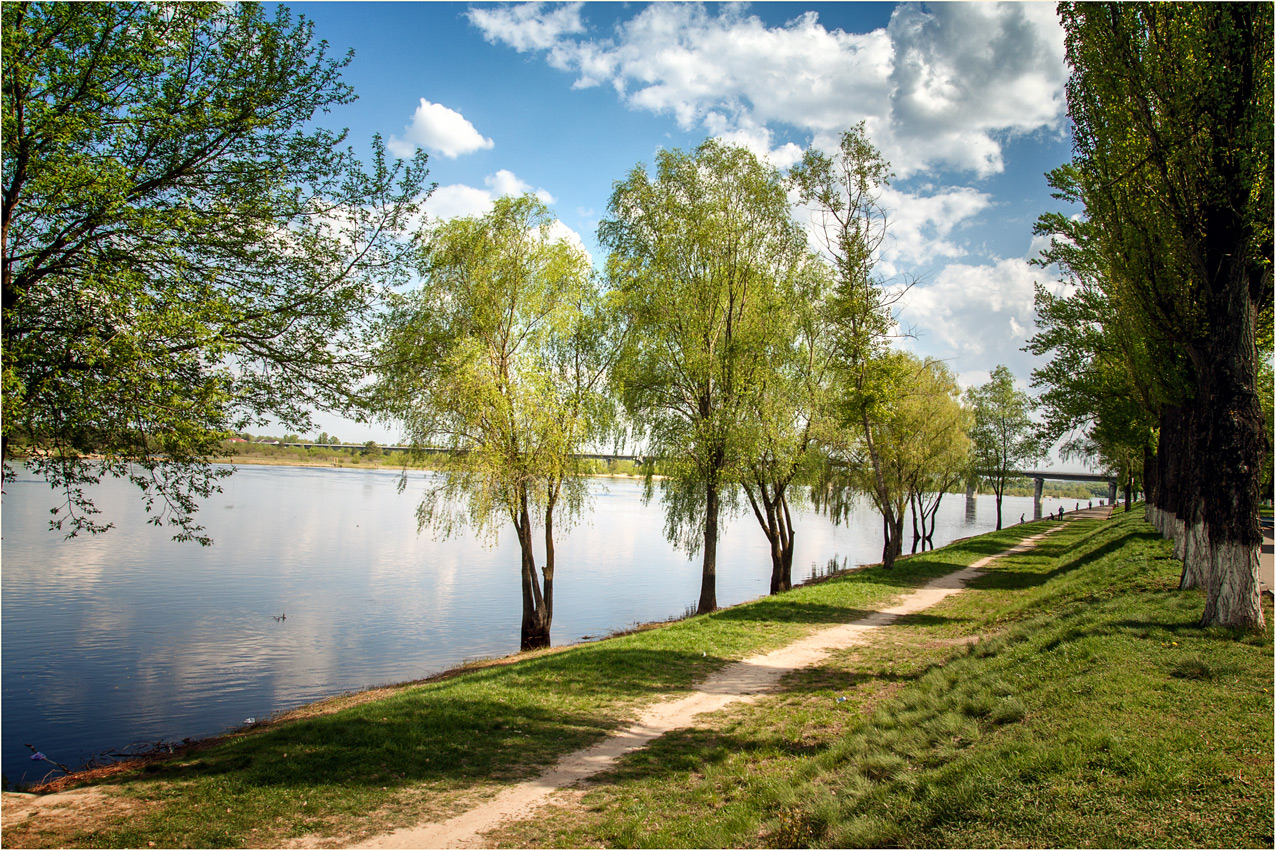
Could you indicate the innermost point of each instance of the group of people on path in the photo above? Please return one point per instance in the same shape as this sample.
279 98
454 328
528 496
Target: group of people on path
1059 516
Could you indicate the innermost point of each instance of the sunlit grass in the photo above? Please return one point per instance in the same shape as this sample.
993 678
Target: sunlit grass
1096 714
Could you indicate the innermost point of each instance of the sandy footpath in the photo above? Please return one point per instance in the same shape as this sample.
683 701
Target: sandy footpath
737 682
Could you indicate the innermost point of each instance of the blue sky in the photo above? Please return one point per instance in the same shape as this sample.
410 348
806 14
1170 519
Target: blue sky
966 101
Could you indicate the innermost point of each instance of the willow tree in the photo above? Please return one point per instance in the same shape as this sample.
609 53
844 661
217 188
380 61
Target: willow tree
937 447
185 251
792 410
498 358
1171 109
919 449
701 259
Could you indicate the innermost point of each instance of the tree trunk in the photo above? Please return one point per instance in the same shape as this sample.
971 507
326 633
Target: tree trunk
999 497
781 573
917 536
776 524
934 515
1150 481
535 624
708 581
1236 437
893 538
549 561
1232 256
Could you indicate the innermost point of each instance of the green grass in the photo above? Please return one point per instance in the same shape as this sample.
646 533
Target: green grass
1094 712
429 750
1067 698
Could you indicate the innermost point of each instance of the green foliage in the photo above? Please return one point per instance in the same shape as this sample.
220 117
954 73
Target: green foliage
704 259
865 434
478 361
1170 106
184 251
1003 434
499 358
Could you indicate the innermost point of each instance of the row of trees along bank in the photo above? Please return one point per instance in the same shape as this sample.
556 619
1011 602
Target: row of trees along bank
185 254
1163 347
756 367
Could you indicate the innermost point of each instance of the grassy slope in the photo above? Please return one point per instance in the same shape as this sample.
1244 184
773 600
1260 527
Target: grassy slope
1096 714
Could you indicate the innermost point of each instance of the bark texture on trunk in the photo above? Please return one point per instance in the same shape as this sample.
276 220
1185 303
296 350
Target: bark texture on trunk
535 618
708 580
1236 438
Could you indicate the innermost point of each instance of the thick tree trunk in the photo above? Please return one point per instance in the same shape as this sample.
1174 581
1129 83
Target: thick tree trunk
708 581
893 539
1232 250
1236 437
535 623
781 570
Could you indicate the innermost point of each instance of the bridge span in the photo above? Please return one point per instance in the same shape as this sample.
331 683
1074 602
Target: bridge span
1040 476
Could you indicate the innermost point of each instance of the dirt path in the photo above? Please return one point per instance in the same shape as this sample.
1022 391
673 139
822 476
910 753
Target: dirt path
737 682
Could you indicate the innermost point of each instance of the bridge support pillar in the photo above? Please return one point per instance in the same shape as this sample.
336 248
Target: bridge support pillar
971 503
1040 491
1111 492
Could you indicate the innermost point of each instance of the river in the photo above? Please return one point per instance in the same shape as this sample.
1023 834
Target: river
319 583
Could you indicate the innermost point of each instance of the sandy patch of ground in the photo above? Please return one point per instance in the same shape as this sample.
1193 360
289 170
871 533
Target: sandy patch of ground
64 813
740 681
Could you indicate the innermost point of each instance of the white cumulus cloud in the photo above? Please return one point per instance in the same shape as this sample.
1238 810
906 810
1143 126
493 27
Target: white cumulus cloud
978 316
528 26
942 86
458 200
437 128
921 225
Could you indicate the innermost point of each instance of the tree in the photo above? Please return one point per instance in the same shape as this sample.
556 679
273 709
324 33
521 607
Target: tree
842 194
701 258
498 358
937 444
1003 434
184 252
1173 140
792 407
918 449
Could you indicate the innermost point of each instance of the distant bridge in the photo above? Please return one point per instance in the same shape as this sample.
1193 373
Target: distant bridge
1040 476
429 450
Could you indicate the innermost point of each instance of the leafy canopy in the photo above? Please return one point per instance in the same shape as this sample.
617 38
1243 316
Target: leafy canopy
184 251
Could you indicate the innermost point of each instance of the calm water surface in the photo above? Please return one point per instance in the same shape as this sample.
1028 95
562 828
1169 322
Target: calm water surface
129 637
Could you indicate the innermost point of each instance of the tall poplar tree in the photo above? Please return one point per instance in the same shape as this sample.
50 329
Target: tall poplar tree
1171 106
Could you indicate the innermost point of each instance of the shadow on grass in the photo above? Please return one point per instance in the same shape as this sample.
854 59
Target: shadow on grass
1012 576
499 723
509 722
